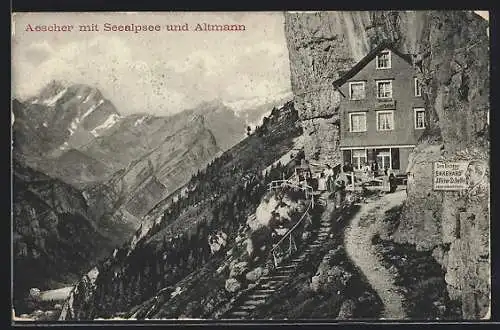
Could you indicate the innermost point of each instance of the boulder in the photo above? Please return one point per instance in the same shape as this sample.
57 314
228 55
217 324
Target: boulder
217 241
250 247
315 283
35 292
347 310
238 269
38 312
232 285
330 278
255 274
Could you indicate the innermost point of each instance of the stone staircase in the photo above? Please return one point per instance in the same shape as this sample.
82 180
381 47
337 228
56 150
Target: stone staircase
246 304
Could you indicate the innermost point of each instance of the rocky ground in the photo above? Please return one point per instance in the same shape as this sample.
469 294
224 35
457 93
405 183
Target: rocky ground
410 283
418 274
358 243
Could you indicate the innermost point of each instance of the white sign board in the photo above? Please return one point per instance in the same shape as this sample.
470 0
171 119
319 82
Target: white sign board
450 175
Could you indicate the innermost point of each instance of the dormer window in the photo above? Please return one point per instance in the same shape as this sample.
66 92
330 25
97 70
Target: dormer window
357 90
384 60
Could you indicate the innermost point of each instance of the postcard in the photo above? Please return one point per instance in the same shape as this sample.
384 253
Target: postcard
293 166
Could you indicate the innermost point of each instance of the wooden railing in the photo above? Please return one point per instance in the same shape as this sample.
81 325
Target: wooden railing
292 247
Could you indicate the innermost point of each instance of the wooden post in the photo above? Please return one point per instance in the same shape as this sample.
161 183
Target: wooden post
352 180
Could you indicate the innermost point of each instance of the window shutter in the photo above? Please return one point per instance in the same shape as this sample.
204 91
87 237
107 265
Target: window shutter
346 156
395 158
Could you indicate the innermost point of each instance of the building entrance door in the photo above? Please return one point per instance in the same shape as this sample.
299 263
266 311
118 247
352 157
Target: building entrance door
383 158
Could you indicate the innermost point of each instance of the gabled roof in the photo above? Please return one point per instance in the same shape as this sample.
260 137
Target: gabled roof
367 59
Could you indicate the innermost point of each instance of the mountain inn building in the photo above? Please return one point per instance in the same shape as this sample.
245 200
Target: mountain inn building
381 111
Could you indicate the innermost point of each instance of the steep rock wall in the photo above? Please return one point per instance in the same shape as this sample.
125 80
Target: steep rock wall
451 56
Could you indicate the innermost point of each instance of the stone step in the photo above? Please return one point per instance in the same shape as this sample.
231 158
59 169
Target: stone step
272 286
258 295
274 277
255 301
247 307
239 313
270 283
264 291
285 267
285 271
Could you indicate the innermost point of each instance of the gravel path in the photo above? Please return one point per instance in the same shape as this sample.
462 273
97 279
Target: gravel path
358 244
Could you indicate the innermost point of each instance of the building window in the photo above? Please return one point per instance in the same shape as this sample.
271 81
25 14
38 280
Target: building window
384 89
383 158
357 90
359 159
418 88
357 122
384 60
385 120
419 118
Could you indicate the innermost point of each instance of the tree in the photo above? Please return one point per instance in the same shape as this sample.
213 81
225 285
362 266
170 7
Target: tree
249 130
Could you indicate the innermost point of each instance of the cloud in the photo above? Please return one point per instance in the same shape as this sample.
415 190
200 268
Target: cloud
144 73
38 52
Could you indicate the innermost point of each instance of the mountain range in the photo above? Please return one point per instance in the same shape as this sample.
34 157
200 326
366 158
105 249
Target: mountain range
118 167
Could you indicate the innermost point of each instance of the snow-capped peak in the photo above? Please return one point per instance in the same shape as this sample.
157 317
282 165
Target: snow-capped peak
256 101
52 101
140 120
108 123
92 108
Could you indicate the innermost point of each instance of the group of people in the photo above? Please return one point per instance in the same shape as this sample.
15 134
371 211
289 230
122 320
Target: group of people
334 182
371 169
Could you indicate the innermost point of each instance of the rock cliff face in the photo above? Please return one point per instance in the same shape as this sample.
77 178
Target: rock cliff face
451 54
54 237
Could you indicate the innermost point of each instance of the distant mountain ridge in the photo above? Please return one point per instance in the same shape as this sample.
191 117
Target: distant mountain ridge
62 118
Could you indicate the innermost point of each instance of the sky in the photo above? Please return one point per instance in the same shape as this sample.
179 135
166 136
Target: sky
158 72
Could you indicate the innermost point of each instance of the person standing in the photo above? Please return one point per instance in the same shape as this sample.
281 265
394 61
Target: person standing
375 168
322 182
367 170
340 186
392 183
